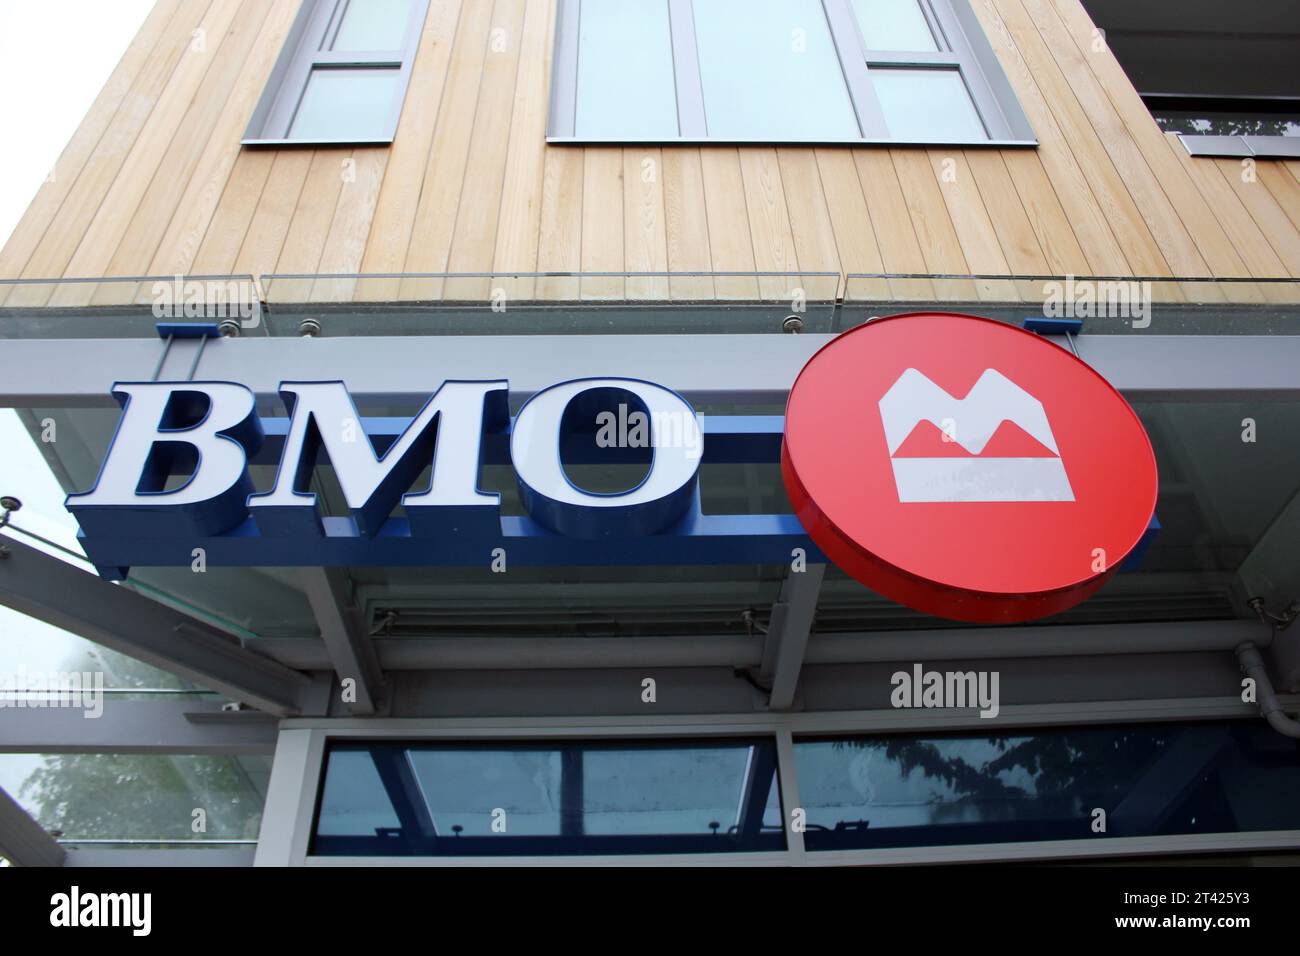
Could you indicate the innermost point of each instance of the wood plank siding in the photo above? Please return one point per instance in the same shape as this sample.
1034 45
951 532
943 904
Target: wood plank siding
155 182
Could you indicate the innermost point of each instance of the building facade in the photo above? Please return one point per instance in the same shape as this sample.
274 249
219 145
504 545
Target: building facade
698 194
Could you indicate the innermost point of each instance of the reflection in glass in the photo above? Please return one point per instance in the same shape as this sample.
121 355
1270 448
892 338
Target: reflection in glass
1209 123
373 25
770 72
549 798
624 792
894 25
1152 780
927 105
626 88
526 783
350 789
346 105
139 797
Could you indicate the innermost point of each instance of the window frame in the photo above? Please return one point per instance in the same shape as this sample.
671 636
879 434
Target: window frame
953 23
1229 145
297 777
410 802
1241 147
305 51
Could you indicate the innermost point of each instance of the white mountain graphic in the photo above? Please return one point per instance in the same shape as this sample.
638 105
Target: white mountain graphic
971 422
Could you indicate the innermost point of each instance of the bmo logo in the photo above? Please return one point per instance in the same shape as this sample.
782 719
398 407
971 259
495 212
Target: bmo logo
1005 450
966 468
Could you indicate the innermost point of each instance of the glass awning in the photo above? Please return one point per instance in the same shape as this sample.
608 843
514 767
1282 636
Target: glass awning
1224 508
667 303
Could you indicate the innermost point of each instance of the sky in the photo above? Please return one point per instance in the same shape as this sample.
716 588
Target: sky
45 98
39 40
55 56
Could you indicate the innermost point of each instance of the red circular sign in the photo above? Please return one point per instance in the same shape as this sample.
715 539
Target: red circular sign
966 468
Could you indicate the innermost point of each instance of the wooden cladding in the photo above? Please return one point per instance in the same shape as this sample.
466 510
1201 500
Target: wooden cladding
155 181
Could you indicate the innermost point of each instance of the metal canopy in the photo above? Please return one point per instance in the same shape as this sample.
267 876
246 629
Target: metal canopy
54 591
22 840
738 369
177 726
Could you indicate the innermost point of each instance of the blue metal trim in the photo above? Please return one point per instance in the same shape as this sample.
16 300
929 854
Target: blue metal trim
697 539
728 439
1134 560
188 330
1053 326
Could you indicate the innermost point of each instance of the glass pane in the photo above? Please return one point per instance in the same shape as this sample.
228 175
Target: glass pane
373 25
346 105
894 25
538 799
145 798
927 106
1209 123
624 793
354 802
626 88
1152 780
770 72
464 788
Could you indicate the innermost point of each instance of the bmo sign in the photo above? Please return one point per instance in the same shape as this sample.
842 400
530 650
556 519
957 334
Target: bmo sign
960 466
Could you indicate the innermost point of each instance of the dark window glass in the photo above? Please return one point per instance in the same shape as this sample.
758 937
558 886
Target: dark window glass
1227 123
565 798
1209 68
1151 780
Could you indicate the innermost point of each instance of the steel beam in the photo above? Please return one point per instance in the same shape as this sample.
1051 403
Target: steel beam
1270 570
48 589
490 653
739 650
737 369
175 726
788 632
121 857
23 841
343 633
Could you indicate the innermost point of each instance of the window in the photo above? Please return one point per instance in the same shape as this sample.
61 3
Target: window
1221 75
1036 785
779 71
342 75
562 798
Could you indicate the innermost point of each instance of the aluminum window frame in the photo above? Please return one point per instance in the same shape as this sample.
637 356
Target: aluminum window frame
306 49
1241 147
963 47
297 778
1228 145
586 743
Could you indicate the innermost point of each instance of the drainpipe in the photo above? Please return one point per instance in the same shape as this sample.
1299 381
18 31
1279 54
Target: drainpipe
1252 665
